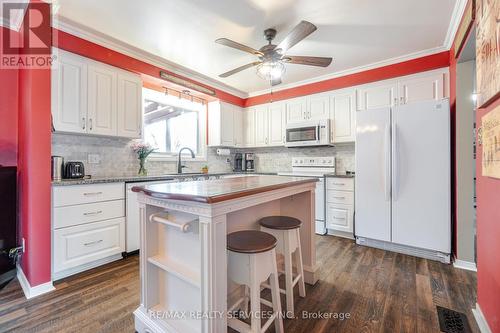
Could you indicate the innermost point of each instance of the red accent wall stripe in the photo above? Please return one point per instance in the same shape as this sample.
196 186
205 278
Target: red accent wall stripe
100 53
438 60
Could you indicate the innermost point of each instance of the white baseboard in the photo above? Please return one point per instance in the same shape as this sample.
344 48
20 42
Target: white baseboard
462 264
480 320
30 291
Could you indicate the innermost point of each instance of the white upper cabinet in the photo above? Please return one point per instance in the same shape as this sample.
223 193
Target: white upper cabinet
343 115
261 126
221 124
238 127
69 93
296 110
318 107
377 95
102 90
249 128
93 98
277 118
422 88
129 118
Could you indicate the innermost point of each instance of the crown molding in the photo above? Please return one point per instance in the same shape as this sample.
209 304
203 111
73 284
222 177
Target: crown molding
354 70
114 44
15 22
456 18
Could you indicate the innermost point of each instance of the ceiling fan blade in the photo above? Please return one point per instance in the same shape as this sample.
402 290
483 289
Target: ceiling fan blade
275 82
238 46
310 61
239 69
301 31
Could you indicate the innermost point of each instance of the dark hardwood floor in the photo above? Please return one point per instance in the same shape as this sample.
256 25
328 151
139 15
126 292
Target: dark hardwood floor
382 291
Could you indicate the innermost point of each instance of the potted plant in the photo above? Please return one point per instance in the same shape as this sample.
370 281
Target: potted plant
142 149
204 169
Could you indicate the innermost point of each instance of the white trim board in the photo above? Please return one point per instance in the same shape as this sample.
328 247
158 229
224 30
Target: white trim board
467 265
456 18
30 291
481 320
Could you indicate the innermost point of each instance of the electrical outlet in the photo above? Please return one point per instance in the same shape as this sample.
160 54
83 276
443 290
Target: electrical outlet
94 158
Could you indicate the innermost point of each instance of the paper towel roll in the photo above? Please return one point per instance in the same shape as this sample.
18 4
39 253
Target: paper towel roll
223 152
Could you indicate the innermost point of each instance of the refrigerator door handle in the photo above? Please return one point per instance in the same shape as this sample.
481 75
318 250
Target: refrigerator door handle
395 164
387 161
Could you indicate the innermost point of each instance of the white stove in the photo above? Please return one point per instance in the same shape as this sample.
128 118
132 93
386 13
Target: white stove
316 167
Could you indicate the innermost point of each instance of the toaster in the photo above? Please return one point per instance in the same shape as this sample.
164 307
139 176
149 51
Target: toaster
74 170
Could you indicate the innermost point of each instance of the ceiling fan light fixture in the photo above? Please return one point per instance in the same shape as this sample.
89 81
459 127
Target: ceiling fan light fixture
271 70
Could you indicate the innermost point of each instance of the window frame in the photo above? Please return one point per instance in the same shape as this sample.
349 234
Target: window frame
202 132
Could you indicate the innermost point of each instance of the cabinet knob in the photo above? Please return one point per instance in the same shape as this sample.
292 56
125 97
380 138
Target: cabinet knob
90 124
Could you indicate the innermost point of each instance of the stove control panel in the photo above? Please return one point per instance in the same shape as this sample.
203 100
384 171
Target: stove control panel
321 162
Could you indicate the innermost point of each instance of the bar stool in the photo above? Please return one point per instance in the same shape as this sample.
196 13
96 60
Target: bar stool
286 230
252 260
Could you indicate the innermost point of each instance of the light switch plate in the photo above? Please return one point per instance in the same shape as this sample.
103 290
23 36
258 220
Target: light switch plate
94 158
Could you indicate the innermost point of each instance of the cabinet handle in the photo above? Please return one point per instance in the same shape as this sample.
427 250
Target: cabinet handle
339 218
341 184
93 243
83 123
92 193
90 124
401 100
93 213
343 198
395 101
266 141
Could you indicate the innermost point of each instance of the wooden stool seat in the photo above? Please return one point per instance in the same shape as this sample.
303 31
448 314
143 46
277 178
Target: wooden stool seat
280 222
250 241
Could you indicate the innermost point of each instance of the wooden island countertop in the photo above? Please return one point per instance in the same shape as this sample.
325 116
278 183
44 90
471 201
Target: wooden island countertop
213 191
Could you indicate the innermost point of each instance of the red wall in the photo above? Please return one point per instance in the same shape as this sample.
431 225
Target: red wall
94 51
422 64
8 114
488 239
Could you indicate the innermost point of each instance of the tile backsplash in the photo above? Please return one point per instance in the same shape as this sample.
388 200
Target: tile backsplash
118 159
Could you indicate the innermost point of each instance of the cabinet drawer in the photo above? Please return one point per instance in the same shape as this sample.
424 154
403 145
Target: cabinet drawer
82 194
339 217
68 216
340 197
340 184
79 245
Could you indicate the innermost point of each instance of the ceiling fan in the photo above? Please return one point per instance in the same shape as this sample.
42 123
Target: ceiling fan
272 58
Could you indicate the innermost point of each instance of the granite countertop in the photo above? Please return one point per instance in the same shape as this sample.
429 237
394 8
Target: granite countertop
132 179
336 175
221 189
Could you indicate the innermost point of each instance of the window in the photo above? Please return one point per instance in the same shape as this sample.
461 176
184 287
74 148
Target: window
172 123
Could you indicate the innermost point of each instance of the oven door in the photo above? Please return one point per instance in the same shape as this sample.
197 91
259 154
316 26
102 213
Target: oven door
303 135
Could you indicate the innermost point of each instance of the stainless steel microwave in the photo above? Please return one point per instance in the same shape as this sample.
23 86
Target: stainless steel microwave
309 133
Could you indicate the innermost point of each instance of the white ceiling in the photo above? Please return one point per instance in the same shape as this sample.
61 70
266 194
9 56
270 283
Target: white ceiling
354 32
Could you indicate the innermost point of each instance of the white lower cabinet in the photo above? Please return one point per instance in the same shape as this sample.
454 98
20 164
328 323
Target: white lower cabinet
80 245
340 206
88 227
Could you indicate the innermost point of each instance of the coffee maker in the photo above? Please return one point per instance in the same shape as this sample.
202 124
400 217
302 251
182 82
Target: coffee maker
238 162
249 162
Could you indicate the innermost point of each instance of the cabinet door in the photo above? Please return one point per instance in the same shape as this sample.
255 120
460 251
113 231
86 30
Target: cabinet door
276 124
421 88
339 217
376 96
129 105
318 107
69 93
249 128
102 100
343 114
227 124
238 127
261 126
296 110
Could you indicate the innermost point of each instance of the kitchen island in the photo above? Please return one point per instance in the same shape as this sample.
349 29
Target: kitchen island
184 285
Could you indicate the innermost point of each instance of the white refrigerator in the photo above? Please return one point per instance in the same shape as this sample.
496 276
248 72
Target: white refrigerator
402 190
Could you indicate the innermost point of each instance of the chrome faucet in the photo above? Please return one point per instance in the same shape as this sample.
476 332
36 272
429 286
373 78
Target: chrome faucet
179 162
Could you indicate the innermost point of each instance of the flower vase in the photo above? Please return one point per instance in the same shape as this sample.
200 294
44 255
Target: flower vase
142 168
